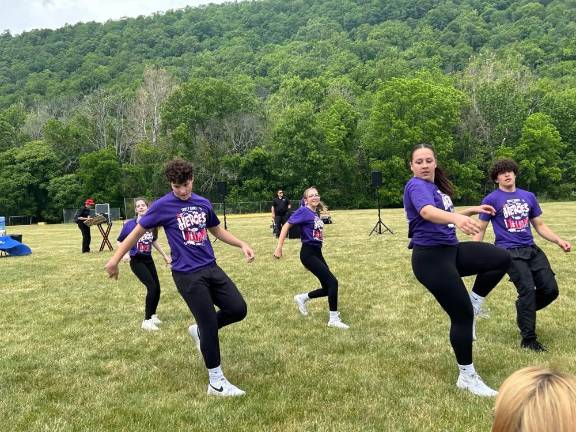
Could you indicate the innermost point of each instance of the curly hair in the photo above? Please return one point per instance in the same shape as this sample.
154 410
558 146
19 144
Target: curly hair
502 166
179 171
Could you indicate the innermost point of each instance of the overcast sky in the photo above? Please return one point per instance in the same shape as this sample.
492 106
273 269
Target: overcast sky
22 15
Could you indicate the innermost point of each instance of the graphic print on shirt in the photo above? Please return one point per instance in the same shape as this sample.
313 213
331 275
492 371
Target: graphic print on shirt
317 232
447 203
516 212
144 243
192 225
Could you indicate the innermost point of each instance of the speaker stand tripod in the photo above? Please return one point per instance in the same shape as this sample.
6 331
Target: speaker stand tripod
380 226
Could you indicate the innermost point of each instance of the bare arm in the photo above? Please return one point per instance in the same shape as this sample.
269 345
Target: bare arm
545 232
464 223
480 235
281 238
166 257
272 210
228 238
111 266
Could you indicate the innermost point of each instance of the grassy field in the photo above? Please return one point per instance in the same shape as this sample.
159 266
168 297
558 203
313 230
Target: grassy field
73 356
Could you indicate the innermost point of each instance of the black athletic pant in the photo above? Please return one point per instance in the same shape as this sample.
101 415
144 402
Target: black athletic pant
534 279
145 270
440 270
279 221
312 258
85 236
202 290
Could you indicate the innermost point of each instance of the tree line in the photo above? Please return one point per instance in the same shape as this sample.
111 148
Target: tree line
273 94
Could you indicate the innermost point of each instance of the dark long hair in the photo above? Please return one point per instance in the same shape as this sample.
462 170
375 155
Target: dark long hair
440 178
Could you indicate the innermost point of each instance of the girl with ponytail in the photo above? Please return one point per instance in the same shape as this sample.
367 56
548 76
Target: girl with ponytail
439 261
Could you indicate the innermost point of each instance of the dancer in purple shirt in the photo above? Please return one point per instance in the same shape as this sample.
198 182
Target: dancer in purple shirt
439 261
187 218
516 210
142 264
312 237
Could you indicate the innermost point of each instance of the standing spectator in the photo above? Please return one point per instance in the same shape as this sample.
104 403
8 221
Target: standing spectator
280 207
82 215
516 210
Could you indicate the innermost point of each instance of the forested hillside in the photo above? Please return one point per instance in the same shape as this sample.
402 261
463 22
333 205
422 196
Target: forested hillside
276 93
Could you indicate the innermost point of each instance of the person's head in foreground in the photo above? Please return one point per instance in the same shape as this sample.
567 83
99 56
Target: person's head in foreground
536 399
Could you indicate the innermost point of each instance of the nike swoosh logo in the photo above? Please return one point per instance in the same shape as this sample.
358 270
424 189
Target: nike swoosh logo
219 390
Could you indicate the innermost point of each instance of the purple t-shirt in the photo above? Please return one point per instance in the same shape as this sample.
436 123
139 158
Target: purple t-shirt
514 210
186 226
419 193
144 244
311 226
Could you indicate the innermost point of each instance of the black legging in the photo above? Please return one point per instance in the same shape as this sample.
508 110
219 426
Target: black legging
145 270
440 270
86 238
312 258
202 290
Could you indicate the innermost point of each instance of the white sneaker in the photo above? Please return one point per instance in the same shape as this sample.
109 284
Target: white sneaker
475 385
301 300
155 319
149 325
480 311
195 334
338 324
224 388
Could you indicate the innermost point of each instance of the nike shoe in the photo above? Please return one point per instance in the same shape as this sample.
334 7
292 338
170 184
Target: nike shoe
337 322
480 310
474 384
301 300
223 388
155 319
149 325
195 334
533 344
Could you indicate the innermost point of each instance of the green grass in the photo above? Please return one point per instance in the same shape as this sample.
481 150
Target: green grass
73 356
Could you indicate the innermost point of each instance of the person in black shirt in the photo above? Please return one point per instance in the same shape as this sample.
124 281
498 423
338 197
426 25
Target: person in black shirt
82 215
280 207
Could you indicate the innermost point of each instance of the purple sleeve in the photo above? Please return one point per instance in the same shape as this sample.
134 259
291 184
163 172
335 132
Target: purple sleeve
484 216
420 196
212 219
535 209
296 217
152 217
126 229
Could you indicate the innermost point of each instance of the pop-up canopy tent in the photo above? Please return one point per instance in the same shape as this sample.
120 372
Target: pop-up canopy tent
13 247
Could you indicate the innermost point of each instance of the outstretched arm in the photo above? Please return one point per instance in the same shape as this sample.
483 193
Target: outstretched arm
545 232
281 238
228 238
464 223
111 266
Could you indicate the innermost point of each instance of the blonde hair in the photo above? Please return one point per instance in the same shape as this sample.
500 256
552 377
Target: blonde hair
536 399
321 206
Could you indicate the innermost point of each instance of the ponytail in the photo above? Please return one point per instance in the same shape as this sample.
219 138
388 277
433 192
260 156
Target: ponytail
443 182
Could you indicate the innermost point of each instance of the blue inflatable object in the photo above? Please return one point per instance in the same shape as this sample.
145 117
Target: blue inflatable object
13 247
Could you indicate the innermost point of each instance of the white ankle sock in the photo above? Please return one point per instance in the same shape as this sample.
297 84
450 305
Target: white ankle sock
334 316
215 374
467 369
304 296
476 299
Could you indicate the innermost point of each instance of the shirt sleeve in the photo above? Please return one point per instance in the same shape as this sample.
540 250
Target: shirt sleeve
485 216
152 217
420 196
211 217
535 209
126 229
